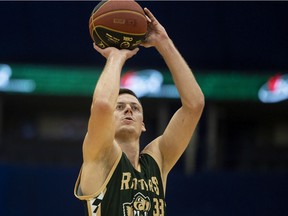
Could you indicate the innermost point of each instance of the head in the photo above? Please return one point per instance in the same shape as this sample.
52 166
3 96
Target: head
128 91
129 113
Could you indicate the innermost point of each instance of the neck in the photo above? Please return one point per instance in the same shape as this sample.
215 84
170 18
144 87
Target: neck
131 149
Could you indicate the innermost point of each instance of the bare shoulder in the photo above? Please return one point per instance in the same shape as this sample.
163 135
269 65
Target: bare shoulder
153 150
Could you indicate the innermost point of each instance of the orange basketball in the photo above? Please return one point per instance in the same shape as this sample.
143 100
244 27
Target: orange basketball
118 23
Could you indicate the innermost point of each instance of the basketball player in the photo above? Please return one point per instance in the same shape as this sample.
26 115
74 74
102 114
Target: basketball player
116 178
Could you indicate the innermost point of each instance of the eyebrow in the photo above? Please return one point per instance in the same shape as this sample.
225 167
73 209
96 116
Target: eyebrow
133 103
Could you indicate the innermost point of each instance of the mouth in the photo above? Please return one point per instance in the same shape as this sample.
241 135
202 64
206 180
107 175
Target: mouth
128 118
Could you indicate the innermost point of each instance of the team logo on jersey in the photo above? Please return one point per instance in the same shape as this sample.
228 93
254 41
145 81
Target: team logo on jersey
139 206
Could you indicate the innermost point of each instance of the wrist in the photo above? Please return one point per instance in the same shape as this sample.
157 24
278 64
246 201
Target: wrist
116 59
165 46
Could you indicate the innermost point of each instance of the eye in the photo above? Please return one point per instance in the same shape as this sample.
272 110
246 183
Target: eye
119 107
135 108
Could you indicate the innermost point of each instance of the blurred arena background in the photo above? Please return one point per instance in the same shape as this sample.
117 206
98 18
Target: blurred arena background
237 163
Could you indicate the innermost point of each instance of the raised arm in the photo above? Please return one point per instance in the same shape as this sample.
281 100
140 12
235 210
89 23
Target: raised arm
170 146
100 134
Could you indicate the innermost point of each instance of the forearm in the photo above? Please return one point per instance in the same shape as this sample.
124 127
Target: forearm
108 85
107 88
186 84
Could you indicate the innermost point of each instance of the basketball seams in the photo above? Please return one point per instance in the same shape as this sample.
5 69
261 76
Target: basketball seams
103 40
100 38
121 11
122 32
119 24
92 19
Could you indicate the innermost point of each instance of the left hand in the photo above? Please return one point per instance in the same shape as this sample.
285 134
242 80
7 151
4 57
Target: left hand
156 33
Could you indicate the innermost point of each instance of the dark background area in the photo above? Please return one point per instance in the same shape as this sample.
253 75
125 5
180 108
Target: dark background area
244 172
211 35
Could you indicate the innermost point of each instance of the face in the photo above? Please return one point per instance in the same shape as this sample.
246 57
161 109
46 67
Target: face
129 115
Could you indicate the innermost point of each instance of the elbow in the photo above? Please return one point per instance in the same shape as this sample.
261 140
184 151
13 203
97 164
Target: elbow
101 105
202 103
197 104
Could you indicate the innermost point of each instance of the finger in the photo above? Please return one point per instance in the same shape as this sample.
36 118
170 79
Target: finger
135 51
148 19
145 44
96 47
150 15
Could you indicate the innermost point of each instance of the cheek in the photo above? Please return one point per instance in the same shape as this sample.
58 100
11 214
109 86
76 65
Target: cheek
140 117
116 116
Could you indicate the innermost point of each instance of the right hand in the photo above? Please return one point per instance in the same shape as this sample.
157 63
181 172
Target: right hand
110 51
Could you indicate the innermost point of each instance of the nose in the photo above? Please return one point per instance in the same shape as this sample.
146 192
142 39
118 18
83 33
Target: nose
128 108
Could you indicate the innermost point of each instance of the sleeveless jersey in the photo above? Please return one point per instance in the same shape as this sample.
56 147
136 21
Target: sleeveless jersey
127 192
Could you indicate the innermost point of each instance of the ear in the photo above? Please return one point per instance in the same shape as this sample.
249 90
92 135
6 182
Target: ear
143 127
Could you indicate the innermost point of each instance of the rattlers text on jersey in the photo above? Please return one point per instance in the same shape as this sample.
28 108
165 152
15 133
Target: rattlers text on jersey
128 192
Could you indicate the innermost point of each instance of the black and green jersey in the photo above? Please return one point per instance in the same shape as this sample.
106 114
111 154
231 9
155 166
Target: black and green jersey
127 192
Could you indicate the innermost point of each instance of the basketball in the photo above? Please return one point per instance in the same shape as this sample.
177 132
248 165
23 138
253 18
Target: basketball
118 23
